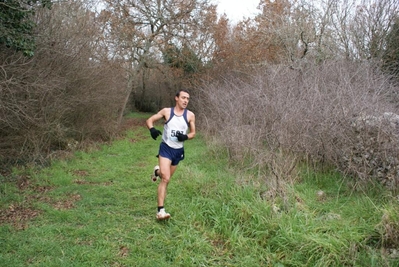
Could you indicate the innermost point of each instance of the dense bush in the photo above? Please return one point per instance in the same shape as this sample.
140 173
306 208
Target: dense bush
305 111
61 95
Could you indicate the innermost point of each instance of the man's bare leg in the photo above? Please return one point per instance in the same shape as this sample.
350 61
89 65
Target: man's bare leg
166 170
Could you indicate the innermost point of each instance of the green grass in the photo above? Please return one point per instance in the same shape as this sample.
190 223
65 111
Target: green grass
98 209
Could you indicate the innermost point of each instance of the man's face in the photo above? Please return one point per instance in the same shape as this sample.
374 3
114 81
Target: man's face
182 99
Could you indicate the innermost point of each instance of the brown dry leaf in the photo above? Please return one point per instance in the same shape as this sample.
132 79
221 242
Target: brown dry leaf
123 251
67 204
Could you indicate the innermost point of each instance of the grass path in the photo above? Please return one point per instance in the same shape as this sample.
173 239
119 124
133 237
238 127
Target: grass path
98 209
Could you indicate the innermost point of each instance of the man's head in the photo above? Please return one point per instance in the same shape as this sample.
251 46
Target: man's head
182 98
181 90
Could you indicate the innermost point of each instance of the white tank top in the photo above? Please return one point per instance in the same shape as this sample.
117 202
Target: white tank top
172 126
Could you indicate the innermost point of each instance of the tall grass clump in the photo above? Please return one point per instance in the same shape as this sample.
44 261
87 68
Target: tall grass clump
338 113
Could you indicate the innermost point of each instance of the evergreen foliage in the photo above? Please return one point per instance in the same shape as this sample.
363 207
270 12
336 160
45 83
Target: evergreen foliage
16 24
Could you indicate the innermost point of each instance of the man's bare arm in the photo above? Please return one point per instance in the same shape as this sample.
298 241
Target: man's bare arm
156 117
191 122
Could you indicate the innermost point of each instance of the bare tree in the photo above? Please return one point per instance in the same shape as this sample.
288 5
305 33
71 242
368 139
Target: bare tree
141 31
329 29
371 24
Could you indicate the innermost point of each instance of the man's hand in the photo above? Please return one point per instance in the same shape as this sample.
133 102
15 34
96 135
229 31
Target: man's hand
155 133
181 137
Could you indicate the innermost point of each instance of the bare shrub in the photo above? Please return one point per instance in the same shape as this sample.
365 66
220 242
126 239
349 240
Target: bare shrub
306 110
65 93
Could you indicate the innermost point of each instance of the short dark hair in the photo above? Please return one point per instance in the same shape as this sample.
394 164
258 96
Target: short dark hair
181 90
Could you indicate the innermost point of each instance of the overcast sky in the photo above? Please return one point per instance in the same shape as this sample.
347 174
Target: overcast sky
237 9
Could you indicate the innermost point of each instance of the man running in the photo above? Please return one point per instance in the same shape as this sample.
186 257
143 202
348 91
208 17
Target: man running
178 120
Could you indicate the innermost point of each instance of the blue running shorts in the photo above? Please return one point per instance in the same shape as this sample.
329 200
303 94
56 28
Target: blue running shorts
175 155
